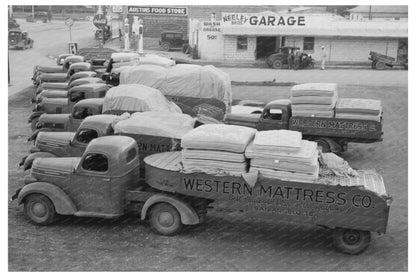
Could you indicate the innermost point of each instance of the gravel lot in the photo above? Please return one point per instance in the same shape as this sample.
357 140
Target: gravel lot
227 241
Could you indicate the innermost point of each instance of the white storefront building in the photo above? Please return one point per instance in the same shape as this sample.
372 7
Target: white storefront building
247 37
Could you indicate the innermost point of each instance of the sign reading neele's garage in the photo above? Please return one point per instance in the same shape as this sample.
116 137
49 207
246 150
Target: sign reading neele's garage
269 20
142 10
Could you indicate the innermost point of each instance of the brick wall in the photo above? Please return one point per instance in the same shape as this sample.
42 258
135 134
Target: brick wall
231 53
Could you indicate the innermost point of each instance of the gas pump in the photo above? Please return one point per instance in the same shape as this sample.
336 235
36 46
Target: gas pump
141 37
126 34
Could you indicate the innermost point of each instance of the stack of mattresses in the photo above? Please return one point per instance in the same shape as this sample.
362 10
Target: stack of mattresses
282 154
353 108
216 149
314 99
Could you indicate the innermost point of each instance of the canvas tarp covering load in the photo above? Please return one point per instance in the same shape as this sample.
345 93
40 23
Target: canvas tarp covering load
185 80
355 108
284 155
314 99
137 98
173 125
216 149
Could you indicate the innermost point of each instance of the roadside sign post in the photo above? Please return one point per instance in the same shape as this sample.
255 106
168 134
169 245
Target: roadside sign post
72 46
100 21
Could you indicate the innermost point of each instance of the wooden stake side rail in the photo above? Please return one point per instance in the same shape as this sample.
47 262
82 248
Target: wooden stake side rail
351 206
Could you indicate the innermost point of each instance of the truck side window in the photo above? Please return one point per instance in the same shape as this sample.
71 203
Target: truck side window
87 135
81 113
95 162
77 96
273 114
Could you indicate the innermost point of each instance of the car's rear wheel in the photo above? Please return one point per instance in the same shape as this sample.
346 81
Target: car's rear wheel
40 209
277 64
380 65
165 219
165 46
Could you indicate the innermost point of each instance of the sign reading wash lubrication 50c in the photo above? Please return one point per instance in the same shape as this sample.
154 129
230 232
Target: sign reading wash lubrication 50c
140 10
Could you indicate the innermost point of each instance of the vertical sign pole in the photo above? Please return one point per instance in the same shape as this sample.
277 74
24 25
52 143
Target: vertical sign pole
70 34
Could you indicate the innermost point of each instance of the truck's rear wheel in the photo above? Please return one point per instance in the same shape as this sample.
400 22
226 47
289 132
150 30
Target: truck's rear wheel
165 219
39 209
380 65
277 64
351 241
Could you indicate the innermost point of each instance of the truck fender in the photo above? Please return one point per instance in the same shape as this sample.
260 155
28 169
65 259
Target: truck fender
34 115
28 161
333 146
63 204
187 213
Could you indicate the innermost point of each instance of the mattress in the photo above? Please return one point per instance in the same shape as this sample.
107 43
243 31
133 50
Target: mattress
219 137
321 100
360 106
313 113
285 175
214 167
313 107
306 155
237 109
371 117
285 166
277 140
314 89
213 155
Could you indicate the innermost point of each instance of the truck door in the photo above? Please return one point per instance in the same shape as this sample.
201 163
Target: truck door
273 119
91 184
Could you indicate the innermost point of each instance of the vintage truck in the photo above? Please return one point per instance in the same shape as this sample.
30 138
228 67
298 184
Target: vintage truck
62 93
68 122
331 134
105 182
73 144
65 105
60 68
61 77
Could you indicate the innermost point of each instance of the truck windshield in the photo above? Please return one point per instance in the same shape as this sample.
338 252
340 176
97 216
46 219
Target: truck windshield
95 162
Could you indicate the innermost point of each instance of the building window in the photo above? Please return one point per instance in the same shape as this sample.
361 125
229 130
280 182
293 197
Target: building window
241 43
308 43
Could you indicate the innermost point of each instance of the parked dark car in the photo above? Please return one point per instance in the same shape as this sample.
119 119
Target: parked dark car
13 24
172 41
19 40
279 59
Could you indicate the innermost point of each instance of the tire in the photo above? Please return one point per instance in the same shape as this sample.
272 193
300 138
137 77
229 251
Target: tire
33 123
311 65
277 64
165 219
165 46
373 64
351 241
323 146
380 65
39 209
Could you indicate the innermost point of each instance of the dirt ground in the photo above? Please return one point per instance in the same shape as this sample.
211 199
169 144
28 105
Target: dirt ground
227 241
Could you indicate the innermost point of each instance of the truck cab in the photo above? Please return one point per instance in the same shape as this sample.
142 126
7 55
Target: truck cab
69 122
274 116
92 185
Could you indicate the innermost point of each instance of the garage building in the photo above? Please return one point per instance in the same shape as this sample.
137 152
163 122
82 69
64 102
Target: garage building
249 37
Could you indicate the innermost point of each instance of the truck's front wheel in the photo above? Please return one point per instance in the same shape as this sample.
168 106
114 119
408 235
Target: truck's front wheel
351 241
165 219
40 209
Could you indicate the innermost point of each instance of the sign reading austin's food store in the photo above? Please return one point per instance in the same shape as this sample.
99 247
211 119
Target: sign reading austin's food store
140 10
263 19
